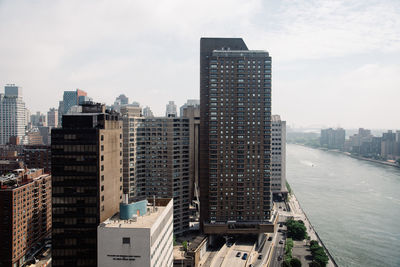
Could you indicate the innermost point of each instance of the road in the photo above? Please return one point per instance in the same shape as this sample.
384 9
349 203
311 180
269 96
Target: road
278 249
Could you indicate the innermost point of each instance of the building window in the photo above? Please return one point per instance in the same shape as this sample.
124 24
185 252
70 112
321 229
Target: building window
102 138
126 240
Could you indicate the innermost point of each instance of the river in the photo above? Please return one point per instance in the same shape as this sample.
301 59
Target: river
354 205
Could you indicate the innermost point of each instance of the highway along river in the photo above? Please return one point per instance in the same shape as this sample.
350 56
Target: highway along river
354 205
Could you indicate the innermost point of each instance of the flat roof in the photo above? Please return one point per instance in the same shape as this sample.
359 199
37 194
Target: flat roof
145 221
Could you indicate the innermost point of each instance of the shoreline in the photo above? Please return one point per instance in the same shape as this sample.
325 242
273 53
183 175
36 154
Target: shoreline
298 213
352 156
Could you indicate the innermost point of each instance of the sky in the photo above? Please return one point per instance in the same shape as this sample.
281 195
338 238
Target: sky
335 63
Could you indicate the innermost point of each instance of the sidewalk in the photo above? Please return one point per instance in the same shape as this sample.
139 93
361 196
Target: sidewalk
298 214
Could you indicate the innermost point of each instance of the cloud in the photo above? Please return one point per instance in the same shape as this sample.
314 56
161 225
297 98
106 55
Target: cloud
141 47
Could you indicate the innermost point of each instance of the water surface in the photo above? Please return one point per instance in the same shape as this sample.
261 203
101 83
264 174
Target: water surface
353 204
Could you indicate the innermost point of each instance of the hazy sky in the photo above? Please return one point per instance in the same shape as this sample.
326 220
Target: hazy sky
335 63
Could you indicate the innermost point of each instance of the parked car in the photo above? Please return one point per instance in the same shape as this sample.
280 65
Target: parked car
238 254
270 238
279 257
244 257
259 257
281 241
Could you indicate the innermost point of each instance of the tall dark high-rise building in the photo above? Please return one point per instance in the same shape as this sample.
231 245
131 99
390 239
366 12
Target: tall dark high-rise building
87 182
235 138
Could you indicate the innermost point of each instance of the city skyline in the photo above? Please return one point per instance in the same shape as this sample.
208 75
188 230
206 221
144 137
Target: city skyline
338 58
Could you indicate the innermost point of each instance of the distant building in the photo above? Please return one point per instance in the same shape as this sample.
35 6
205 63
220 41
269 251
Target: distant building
38 119
38 157
191 103
333 139
147 112
360 142
388 145
278 159
12 114
34 137
170 110
25 201
140 235
87 182
72 98
120 101
52 118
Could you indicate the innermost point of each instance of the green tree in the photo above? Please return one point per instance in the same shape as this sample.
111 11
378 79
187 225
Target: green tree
295 262
185 245
286 263
314 264
296 229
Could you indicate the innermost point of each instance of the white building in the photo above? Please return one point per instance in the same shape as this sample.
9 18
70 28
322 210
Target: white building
170 109
144 240
12 113
278 159
52 117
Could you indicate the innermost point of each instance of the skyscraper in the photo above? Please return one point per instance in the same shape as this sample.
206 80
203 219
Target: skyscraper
235 137
12 113
87 182
157 162
52 118
72 98
170 109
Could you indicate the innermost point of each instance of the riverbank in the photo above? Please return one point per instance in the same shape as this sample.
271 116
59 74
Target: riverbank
353 156
299 214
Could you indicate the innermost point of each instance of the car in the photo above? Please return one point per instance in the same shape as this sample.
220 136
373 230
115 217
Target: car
259 257
238 254
244 257
281 241
281 224
279 257
270 238
251 265
284 209
279 230
229 244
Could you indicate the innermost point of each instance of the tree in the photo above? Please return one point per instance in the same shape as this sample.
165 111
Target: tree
185 245
296 229
314 264
295 262
318 253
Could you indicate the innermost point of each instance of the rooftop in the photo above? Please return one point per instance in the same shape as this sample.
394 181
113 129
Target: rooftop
145 221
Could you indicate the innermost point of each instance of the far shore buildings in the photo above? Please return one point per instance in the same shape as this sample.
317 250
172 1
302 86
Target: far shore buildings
333 138
25 201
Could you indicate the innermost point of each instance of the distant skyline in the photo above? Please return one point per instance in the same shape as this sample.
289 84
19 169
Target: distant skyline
335 63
